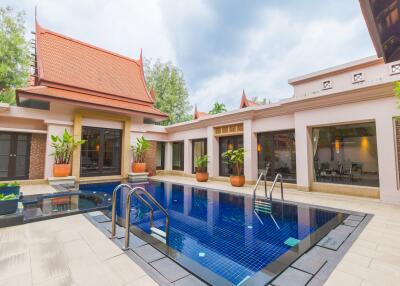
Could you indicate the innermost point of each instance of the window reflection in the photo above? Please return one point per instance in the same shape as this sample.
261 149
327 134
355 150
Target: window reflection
279 150
346 154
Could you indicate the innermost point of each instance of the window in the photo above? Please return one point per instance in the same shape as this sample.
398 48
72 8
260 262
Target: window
327 84
35 104
225 144
199 148
278 149
346 154
160 156
177 156
358 77
395 69
101 153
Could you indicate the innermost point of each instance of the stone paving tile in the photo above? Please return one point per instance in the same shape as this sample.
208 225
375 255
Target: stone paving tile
333 240
355 217
310 262
17 280
169 269
148 253
189 281
122 266
292 277
119 231
143 281
134 242
339 278
352 223
101 218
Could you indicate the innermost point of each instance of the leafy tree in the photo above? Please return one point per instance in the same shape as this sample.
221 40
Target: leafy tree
170 88
218 108
260 101
14 54
397 92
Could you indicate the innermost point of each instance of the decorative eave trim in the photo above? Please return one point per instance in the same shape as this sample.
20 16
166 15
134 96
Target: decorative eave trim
290 106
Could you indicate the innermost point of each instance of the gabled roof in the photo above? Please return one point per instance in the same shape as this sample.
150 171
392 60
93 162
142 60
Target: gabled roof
198 114
84 73
245 102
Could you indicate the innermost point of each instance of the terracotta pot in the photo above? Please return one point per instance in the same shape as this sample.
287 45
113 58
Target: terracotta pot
202 176
237 181
139 167
61 170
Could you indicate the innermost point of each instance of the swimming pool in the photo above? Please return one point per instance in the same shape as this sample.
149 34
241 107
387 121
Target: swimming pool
217 236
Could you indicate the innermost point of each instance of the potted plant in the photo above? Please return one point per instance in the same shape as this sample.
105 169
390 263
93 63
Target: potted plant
10 188
8 203
236 159
201 168
63 147
139 150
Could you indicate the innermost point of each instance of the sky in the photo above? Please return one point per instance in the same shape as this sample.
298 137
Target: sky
222 47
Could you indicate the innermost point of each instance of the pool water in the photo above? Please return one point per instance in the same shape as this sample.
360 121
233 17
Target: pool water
220 235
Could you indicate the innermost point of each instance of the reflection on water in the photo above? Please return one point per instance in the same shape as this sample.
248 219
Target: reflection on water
219 230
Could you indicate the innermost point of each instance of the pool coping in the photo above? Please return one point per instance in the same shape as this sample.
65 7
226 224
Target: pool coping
263 276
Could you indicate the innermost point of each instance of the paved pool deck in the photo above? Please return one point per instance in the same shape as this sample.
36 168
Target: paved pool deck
71 251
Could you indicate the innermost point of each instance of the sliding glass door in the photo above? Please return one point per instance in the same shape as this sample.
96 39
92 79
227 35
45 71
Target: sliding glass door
225 144
177 156
278 149
199 148
160 156
14 155
101 153
346 154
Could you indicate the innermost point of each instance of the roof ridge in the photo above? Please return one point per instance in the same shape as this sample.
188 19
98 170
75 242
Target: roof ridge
45 30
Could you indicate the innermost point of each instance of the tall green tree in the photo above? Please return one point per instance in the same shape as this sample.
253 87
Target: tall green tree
260 101
170 88
14 54
218 108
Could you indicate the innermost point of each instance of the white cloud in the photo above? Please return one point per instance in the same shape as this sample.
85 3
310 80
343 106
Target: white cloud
279 48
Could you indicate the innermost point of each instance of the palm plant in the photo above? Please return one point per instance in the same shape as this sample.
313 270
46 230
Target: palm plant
139 150
63 147
236 159
201 163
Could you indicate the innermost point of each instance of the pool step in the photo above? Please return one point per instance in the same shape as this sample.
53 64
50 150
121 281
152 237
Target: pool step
262 206
158 234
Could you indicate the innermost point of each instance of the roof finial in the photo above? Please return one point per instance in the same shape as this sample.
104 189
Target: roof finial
141 56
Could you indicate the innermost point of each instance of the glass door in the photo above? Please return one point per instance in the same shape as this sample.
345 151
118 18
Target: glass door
101 153
225 144
199 148
14 156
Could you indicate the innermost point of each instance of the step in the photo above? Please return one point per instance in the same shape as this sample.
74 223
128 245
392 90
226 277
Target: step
158 231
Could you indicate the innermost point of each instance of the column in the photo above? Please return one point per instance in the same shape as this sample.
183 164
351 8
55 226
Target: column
168 156
385 137
187 157
213 152
304 165
250 155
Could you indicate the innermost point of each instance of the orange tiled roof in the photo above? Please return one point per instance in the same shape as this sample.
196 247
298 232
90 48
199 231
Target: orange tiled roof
91 100
245 102
71 70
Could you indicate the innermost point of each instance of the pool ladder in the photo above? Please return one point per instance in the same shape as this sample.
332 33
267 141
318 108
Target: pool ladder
155 232
266 206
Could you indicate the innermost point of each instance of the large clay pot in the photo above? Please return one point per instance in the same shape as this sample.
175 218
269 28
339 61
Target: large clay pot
139 167
202 176
61 170
237 181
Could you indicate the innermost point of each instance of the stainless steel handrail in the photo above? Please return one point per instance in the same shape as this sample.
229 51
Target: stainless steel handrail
263 173
114 206
128 212
278 176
